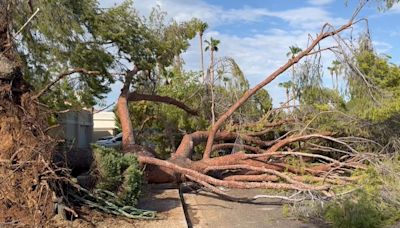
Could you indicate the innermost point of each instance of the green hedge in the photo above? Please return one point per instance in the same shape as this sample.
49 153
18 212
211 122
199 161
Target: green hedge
119 173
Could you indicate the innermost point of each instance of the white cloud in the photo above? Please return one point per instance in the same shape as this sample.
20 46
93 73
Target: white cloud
181 10
320 2
258 53
307 17
381 47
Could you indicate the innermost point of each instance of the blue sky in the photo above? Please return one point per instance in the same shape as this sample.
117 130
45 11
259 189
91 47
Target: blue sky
257 33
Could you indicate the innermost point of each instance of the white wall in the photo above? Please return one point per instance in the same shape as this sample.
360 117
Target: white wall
103 124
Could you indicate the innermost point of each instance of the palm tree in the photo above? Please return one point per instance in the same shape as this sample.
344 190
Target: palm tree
212 46
293 51
201 28
338 70
331 72
335 69
287 85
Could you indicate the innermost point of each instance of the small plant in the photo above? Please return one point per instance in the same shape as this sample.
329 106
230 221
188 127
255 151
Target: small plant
118 173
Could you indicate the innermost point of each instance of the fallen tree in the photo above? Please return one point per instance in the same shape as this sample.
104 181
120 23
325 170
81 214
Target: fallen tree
270 162
303 160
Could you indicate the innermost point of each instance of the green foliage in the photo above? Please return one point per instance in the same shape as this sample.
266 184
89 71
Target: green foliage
293 50
375 203
162 126
384 80
372 201
354 213
323 99
80 34
58 39
200 26
118 173
212 44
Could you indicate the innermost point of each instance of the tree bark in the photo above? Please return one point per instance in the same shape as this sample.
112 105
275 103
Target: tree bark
123 112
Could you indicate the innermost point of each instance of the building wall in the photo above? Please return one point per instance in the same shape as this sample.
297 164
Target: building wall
76 128
103 125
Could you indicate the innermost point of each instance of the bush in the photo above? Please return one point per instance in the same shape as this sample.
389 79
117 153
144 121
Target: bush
354 213
375 204
118 173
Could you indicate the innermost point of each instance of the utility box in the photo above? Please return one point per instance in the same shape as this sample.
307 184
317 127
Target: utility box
76 128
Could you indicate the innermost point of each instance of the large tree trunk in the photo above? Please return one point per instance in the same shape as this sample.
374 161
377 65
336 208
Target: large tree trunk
123 112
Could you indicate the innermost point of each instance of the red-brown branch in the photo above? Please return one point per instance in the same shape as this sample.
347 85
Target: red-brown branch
322 35
189 141
279 144
260 169
229 184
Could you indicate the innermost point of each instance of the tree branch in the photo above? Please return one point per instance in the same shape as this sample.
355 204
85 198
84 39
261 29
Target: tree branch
322 35
61 76
229 184
134 96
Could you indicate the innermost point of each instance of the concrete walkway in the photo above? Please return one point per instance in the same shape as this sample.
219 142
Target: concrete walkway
166 201
199 210
207 210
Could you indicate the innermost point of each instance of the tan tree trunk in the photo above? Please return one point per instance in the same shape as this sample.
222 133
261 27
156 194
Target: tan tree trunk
293 91
212 88
337 82
202 56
